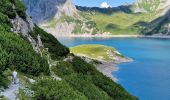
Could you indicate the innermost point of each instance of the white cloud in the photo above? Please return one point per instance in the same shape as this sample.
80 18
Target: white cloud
104 5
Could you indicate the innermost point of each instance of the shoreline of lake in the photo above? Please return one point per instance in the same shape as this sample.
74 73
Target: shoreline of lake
107 68
117 36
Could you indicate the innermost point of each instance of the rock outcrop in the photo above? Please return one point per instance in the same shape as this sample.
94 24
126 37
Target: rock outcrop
24 27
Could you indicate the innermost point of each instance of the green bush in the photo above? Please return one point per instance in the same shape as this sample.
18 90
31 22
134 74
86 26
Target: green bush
17 53
5 24
48 89
20 8
6 7
4 81
111 26
113 89
80 66
84 85
63 68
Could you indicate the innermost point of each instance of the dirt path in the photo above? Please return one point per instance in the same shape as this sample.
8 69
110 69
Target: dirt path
11 92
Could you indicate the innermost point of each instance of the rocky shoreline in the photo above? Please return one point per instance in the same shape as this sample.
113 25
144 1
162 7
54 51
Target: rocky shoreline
107 68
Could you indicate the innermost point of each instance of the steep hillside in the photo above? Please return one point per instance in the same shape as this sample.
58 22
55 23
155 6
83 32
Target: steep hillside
42 62
20 45
160 8
15 51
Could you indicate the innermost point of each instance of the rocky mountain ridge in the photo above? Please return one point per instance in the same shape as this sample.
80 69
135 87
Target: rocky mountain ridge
62 17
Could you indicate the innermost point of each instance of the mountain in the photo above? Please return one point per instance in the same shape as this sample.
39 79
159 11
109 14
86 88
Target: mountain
62 17
59 17
46 69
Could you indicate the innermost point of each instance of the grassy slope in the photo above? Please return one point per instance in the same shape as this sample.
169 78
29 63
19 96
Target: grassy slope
98 52
123 22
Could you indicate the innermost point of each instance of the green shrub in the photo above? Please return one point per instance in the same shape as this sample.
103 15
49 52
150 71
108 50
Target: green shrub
80 66
113 89
6 7
4 81
17 53
20 8
84 85
111 26
48 89
63 68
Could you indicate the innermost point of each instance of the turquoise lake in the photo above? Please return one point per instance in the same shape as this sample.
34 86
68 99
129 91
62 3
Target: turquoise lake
148 77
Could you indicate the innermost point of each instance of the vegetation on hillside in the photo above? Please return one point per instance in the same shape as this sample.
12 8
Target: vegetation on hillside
49 89
15 52
80 80
84 77
55 48
12 7
120 22
149 6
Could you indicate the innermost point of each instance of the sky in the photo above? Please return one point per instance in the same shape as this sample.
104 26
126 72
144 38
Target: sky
103 3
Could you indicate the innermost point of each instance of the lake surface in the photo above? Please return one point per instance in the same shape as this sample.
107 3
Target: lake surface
148 77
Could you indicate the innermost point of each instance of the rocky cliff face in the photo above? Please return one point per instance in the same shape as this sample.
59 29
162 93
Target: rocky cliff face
43 10
25 27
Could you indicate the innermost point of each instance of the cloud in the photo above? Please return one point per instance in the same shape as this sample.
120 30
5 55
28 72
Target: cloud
104 5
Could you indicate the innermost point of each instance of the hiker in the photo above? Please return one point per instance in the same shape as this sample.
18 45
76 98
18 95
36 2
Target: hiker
15 77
